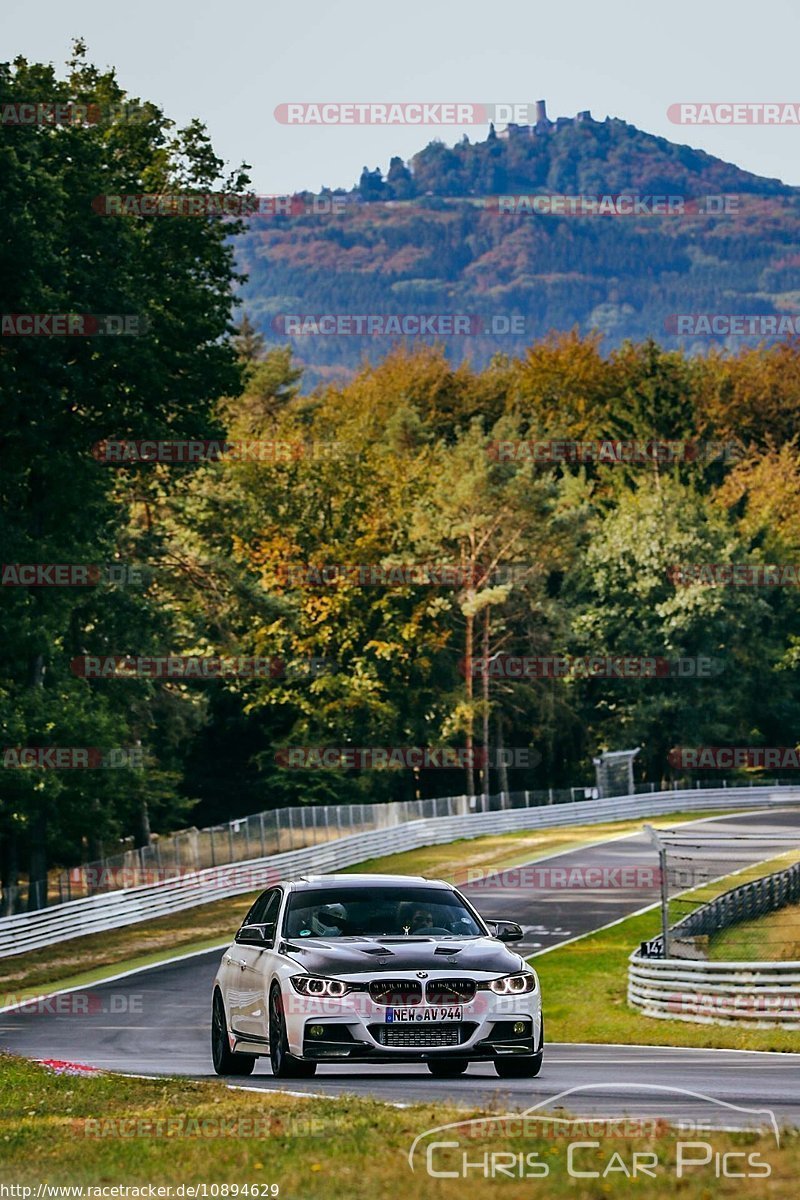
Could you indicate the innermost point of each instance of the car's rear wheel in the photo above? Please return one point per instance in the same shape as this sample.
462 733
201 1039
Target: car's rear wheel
447 1068
284 1064
224 1059
526 1066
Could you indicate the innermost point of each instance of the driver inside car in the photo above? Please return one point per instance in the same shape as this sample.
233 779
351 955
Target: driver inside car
329 921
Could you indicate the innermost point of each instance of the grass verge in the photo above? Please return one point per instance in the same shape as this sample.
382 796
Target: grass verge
104 1131
596 966
773 938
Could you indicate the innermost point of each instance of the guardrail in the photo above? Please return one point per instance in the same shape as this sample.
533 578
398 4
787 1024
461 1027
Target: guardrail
743 903
764 993
126 906
278 830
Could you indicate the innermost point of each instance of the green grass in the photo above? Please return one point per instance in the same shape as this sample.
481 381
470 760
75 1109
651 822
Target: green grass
584 993
64 1130
773 938
596 966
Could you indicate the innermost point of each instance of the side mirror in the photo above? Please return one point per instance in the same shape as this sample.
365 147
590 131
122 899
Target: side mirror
506 931
256 935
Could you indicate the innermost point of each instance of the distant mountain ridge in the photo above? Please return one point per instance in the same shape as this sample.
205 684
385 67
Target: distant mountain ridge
431 236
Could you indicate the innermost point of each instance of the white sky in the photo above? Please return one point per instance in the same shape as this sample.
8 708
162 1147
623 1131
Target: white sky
231 64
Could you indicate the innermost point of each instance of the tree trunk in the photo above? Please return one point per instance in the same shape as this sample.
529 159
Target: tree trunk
501 761
468 646
37 874
142 835
9 874
37 871
485 693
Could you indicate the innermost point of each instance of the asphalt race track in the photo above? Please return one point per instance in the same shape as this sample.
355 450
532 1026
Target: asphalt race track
157 1021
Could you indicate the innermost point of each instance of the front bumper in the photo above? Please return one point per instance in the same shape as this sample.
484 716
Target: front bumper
355 1028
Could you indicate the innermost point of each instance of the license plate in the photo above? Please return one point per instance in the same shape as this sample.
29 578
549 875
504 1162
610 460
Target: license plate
441 1012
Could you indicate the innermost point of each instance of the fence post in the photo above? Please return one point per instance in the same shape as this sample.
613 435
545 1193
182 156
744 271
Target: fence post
261 823
549 795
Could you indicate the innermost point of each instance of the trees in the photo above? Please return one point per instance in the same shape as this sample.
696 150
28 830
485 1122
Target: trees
63 395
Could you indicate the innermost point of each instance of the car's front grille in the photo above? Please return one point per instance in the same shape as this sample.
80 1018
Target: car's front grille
450 991
400 993
417 1036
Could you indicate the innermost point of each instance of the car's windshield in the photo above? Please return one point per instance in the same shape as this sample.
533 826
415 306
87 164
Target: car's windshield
378 911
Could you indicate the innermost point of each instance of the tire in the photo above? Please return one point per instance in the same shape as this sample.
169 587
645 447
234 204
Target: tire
224 1059
527 1066
447 1068
284 1065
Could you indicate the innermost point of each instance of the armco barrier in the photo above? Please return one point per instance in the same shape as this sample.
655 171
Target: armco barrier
762 994
94 914
743 903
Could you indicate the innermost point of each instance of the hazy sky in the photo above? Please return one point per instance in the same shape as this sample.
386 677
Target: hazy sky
231 63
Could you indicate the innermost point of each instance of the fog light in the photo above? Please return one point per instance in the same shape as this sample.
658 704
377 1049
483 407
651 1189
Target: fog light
519 1027
316 1030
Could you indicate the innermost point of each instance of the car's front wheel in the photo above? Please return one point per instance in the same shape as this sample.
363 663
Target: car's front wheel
526 1066
447 1068
224 1059
284 1064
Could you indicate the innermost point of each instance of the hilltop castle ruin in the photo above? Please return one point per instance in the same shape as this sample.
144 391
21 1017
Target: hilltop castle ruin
543 124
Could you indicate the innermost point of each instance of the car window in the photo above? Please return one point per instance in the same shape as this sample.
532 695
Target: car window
265 909
382 911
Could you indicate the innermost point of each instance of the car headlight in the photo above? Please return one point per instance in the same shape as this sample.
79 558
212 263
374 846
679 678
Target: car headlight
317 985
512 985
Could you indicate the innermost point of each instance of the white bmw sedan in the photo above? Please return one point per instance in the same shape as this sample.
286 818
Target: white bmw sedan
377 969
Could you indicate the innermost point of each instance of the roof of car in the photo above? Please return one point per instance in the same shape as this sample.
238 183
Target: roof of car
338 881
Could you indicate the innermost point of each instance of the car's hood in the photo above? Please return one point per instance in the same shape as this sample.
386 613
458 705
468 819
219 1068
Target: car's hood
356 956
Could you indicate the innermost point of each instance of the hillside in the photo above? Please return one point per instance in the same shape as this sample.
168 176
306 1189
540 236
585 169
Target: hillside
435 236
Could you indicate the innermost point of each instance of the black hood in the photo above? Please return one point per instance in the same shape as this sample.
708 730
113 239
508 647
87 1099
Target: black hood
348 956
